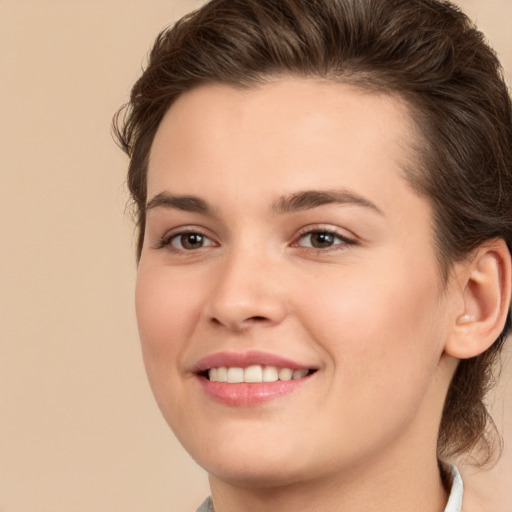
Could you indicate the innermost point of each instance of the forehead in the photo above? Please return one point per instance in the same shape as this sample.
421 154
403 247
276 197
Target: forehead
292 133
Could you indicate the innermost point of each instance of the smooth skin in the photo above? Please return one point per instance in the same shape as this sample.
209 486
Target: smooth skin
349 286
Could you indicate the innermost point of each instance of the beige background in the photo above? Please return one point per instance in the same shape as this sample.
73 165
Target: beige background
78 427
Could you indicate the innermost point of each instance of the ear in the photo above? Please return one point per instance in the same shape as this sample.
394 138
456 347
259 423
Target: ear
485 283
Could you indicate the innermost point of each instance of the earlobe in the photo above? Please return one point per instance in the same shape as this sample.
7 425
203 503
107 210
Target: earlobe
485 282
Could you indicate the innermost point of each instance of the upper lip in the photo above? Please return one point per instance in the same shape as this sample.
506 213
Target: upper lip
245 359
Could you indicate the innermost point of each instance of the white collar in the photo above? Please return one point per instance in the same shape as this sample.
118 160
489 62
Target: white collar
455 500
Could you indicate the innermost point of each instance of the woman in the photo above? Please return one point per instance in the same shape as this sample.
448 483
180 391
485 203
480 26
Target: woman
322 191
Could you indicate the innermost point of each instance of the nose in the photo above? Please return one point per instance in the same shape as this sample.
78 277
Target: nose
247 291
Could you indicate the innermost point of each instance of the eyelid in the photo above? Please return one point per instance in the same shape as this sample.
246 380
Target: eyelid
165 242
323 228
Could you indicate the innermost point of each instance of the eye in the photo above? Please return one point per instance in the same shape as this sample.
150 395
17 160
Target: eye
322 239
188 241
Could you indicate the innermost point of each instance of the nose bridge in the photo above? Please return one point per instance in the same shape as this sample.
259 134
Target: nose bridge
246 289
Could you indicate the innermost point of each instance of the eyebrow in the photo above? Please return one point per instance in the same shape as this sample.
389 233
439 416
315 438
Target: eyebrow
314 198
186 203
297 201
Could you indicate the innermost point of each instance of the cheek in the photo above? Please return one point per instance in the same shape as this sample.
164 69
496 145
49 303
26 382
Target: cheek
384 347
166 314
379 329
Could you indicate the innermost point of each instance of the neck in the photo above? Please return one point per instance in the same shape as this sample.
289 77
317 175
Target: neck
387 486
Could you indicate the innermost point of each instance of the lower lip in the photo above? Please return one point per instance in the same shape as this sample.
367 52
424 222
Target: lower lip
249 394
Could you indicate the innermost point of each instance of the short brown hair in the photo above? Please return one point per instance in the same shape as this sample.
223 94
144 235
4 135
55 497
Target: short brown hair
427 52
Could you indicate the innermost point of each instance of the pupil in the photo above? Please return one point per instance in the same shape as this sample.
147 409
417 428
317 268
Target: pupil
192 241
320 240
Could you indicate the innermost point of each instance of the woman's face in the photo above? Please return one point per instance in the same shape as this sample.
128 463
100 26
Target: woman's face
282 240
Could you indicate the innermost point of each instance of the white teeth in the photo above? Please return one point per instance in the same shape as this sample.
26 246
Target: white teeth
235 375
254 373
285 374
222 374
270 374
298 374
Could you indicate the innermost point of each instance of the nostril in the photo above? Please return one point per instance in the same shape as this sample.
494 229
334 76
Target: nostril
245 323
257 318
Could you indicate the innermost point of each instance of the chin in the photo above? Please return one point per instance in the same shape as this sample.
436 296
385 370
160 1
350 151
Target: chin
249 461
269 469
262 474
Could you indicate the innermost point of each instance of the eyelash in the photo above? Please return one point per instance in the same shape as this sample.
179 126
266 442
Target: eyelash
166 240
342 241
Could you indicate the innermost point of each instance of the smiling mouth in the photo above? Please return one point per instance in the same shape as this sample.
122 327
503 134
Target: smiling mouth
254 374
